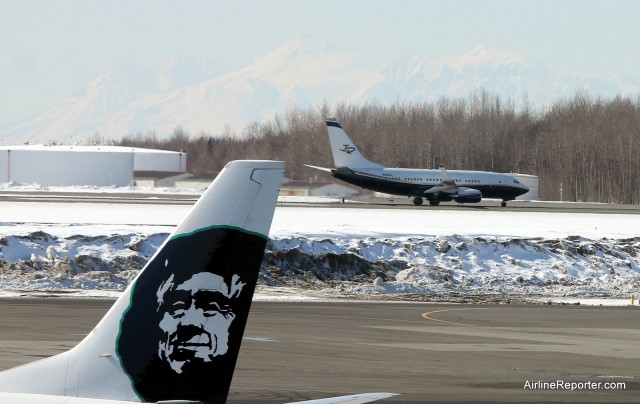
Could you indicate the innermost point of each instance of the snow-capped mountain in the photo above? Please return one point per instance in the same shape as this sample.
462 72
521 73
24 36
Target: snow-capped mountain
508 74
202 97
86 113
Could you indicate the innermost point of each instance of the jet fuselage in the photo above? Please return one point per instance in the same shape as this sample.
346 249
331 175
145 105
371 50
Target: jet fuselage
415 182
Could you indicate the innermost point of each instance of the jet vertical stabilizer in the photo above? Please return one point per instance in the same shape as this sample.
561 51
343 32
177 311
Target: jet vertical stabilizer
345 153
175 333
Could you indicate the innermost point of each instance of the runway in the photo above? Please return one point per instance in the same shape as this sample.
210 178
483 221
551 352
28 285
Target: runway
424 352
355 220
391 202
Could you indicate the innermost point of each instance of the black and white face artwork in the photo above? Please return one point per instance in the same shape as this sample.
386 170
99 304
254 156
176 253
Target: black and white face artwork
196 320
181 334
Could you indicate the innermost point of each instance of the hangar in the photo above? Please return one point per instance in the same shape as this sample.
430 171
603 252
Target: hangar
84 165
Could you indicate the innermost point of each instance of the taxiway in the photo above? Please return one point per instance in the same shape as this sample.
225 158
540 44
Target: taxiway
424 352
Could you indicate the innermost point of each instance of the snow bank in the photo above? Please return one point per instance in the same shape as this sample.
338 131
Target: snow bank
437 266
461 265
363 253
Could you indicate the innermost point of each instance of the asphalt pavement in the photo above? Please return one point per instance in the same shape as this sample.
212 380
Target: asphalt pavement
425 352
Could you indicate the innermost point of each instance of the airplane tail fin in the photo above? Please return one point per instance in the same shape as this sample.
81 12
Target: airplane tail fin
175 333
345 153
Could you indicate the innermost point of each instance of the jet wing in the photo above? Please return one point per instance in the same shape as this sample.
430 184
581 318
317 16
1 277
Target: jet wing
445 175
447 186
447 189
352 399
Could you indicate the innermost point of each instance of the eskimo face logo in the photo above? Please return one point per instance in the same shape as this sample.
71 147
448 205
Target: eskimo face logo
196 320
180 336
347 149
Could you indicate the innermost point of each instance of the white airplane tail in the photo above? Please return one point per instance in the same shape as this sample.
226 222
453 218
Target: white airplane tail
175 333
345 153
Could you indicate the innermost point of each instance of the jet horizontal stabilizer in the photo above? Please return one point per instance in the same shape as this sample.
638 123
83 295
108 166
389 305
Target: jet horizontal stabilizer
319 168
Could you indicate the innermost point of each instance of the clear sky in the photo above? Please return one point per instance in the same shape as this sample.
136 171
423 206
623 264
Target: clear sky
51 49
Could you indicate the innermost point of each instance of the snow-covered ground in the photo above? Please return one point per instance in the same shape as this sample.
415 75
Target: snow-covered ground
320 252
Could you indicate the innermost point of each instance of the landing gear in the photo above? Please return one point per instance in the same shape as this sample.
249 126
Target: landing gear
417 201
503 204
434 202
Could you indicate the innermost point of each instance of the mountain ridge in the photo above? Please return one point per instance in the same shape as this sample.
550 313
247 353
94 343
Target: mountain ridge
202 97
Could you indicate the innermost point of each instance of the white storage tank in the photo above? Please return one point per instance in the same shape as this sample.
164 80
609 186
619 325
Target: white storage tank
65 165
159 160
83 165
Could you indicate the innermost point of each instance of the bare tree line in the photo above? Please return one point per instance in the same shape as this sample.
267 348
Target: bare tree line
589 146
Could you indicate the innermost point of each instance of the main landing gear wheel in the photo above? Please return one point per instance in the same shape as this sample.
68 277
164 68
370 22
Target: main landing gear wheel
434 202
503 204
417 201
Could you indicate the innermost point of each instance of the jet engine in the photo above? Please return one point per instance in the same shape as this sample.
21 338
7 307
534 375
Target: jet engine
468 195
